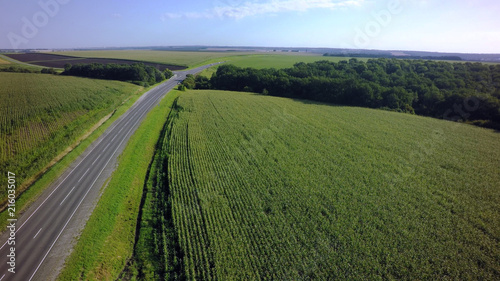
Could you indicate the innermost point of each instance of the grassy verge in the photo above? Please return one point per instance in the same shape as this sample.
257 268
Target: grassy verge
35 190
155 255
108 239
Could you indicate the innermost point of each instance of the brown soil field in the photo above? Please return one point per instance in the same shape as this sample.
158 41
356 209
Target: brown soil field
58 61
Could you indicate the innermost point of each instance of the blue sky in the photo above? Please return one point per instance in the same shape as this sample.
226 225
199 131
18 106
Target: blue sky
423 25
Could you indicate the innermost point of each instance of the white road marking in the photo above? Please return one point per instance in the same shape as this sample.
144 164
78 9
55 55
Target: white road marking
109 130
84 174
67 195
37 233
96 159
106 147
84 196
2 277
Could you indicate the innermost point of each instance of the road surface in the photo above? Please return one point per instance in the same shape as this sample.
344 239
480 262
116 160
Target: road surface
50 219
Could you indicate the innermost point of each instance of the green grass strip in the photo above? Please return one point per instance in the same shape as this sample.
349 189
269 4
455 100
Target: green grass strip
107 242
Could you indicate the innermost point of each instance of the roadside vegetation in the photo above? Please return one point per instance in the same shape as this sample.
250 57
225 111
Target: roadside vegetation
252 187
467 92
41 115
107 242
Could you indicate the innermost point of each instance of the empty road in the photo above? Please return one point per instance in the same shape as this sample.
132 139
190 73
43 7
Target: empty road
50 218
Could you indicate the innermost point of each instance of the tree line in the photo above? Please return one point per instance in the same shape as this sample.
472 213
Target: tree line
137 73
362 55
468 92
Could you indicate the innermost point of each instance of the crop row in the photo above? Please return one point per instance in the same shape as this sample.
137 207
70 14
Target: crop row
256 187
40 115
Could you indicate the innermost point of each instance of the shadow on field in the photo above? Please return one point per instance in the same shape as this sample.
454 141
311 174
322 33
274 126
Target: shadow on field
303 101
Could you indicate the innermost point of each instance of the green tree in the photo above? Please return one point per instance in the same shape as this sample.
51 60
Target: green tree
168 73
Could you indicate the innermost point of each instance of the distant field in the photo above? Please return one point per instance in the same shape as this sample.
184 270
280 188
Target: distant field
280 61
169 57
192 59
41 114
4 61
59 61
264 188
272 61
18 64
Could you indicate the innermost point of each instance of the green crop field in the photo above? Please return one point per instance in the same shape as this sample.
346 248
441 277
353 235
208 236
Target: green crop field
41 114
251 187
4 61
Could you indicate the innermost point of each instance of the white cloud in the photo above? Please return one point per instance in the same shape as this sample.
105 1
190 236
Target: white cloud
167 16
246 9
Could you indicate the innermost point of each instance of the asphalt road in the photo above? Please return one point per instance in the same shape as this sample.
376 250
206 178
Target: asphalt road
39 229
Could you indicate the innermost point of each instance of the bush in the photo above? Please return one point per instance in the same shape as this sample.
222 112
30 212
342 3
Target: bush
189 82
202 82
49 71
18 70
247 89
168 73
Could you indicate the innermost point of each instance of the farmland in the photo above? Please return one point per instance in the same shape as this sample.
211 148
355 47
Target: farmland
279 61
248 187
168 57
192 59
3 61
59 61
40 115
